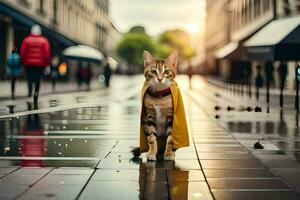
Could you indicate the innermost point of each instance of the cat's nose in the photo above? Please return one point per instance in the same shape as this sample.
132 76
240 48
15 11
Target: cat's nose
159 79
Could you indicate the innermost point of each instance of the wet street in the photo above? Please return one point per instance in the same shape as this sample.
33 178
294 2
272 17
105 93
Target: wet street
79 145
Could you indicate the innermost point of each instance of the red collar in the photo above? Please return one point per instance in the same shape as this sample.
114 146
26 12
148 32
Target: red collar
161 93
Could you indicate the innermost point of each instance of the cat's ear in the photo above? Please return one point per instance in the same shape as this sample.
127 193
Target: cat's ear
148 58
172 59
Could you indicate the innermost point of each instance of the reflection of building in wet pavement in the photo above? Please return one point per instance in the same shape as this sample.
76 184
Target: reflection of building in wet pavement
8 144
283 133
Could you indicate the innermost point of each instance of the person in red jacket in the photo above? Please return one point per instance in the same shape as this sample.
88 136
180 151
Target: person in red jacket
35 56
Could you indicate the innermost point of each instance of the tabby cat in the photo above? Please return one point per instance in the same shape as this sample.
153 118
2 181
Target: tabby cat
157 116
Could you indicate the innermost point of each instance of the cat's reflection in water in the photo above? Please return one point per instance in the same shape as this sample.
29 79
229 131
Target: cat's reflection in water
157 181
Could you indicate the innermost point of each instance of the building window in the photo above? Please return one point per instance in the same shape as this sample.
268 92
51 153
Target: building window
25 3
298 8
256 8
266 5
41 7
55 11
287 7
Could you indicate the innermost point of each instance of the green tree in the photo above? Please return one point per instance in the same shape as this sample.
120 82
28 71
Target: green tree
138 29
132 45
177 39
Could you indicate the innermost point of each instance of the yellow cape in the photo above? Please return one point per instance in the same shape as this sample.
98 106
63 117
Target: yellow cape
179 128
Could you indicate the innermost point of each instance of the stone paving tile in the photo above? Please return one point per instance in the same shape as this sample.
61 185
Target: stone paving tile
188 175
208 131
154 175
287 172
273 157
121 155
111 190
62 179
117 175
20 179
32 170
8 191
231 164
210 134
15 183
294 182
278 163
152 188
6 170
257 195
216 142
267 152
71 163
197 123
123 148
8 163
211 137
190 190
52 191
221 183
225 156
207 148
117 163
294 154
72 170
238 173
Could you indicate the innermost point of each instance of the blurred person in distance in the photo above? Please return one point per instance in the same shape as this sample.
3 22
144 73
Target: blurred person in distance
35 55
14 69
189 72
107 73
85 74
54 71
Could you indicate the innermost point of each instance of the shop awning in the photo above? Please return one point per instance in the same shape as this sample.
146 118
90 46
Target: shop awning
227 51
27 21
279 40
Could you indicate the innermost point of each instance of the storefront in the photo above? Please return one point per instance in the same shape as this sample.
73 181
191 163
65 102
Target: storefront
14 26
276 42
230 63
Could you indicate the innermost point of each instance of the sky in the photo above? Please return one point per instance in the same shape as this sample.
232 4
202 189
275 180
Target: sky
158 15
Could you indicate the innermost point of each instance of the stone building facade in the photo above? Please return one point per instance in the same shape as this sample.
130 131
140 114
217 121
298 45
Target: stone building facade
64 23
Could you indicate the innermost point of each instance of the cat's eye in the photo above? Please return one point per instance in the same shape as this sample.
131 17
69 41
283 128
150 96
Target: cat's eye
153 71
167 72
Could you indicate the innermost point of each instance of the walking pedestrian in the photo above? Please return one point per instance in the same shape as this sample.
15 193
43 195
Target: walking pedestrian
107 74
282 71
54 71
269 69
259 81
35 55
78 76
190 73
14 69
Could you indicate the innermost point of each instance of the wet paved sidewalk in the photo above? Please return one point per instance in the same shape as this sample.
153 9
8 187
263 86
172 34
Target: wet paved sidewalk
85 153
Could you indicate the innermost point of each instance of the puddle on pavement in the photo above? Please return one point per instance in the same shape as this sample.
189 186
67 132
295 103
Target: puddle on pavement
148 180
61 138
284 133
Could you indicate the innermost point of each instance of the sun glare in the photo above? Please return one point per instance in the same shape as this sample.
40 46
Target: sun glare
192 28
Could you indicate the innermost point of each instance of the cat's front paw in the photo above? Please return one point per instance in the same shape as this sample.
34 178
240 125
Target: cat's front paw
151 157
169 156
